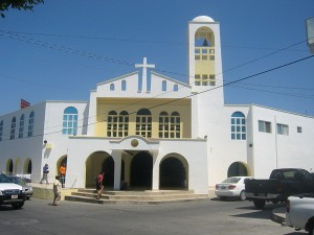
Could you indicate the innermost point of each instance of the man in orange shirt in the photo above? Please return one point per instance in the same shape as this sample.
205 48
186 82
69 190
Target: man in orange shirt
62 171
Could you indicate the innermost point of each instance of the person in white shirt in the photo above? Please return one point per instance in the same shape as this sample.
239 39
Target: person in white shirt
57 187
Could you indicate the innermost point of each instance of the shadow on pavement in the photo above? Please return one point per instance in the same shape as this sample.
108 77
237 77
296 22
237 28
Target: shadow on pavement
296 233
8 208
266 213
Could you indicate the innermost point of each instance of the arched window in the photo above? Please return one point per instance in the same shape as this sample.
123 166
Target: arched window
238 126
164 85
13 126
1 130
70 117
169 126
111 87
123 124
123 85
112 124
21 129
204 44
163 125
31 123
118 125
175 87
175 127
144 123
204 37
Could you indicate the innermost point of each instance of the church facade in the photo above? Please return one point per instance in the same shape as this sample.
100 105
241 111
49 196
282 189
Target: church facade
155 132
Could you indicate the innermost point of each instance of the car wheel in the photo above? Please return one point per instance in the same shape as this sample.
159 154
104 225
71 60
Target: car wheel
18 205
311 228
259 204
242 196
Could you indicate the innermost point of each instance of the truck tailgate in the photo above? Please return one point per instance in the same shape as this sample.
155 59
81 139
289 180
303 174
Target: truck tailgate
262 186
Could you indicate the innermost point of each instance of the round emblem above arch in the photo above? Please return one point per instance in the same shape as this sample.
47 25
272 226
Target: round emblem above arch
134 143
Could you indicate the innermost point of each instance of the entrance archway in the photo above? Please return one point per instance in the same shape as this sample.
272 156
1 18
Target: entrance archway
9 168
101 161
108 168
142 170
172 174
237 169
61 160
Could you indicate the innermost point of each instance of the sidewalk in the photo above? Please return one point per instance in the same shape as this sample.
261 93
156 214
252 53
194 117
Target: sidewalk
44 191
279 215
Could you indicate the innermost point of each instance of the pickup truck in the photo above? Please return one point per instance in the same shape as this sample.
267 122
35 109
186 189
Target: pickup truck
10 193
281 184
300 212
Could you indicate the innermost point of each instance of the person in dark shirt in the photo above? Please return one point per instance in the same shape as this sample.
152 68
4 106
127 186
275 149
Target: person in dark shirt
45 174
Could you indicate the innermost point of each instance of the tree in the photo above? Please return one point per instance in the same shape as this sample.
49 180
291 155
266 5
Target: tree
18 4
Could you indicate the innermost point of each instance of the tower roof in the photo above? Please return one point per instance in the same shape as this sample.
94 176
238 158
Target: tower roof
203 19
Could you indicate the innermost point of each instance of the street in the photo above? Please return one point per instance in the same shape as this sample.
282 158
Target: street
206 217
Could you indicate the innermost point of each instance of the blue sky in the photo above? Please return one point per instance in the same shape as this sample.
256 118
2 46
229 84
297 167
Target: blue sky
62 49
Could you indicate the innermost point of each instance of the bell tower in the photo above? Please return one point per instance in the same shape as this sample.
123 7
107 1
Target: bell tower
204 55
205 75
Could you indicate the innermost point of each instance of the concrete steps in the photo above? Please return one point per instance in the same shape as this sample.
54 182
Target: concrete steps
135 197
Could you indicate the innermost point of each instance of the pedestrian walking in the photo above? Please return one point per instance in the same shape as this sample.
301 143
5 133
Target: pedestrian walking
57 187
45 174
100 184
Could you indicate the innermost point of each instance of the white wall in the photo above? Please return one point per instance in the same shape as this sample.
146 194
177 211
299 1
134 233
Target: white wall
224 151
80 148
27 147
271 150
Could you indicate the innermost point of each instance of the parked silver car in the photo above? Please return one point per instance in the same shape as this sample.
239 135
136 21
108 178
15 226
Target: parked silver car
232 187
28 190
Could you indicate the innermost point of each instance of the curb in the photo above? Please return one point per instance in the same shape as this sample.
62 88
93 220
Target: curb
279 215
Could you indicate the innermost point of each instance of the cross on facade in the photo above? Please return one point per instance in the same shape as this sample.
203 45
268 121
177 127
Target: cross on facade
145 66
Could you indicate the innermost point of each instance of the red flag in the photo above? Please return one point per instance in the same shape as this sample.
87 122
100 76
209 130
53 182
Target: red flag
24 104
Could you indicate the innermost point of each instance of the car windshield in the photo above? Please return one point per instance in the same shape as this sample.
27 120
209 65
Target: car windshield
4 178
233 180
17 180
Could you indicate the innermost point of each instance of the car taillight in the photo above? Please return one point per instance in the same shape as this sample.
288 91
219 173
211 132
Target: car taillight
288 206
231 186
279 187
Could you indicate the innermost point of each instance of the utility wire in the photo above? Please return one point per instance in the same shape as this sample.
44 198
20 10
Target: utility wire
208 90
16 36
135 40
70 50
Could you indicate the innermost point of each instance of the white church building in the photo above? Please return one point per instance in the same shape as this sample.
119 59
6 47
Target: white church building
155 132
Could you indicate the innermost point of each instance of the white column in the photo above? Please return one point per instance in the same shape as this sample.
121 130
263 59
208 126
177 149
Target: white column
117 157
155 183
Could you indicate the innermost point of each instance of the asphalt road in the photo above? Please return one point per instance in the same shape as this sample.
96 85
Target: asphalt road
206 217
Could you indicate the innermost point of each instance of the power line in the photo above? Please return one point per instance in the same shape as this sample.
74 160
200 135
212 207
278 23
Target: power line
277 93
90 55
136 40
16 36
208 90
